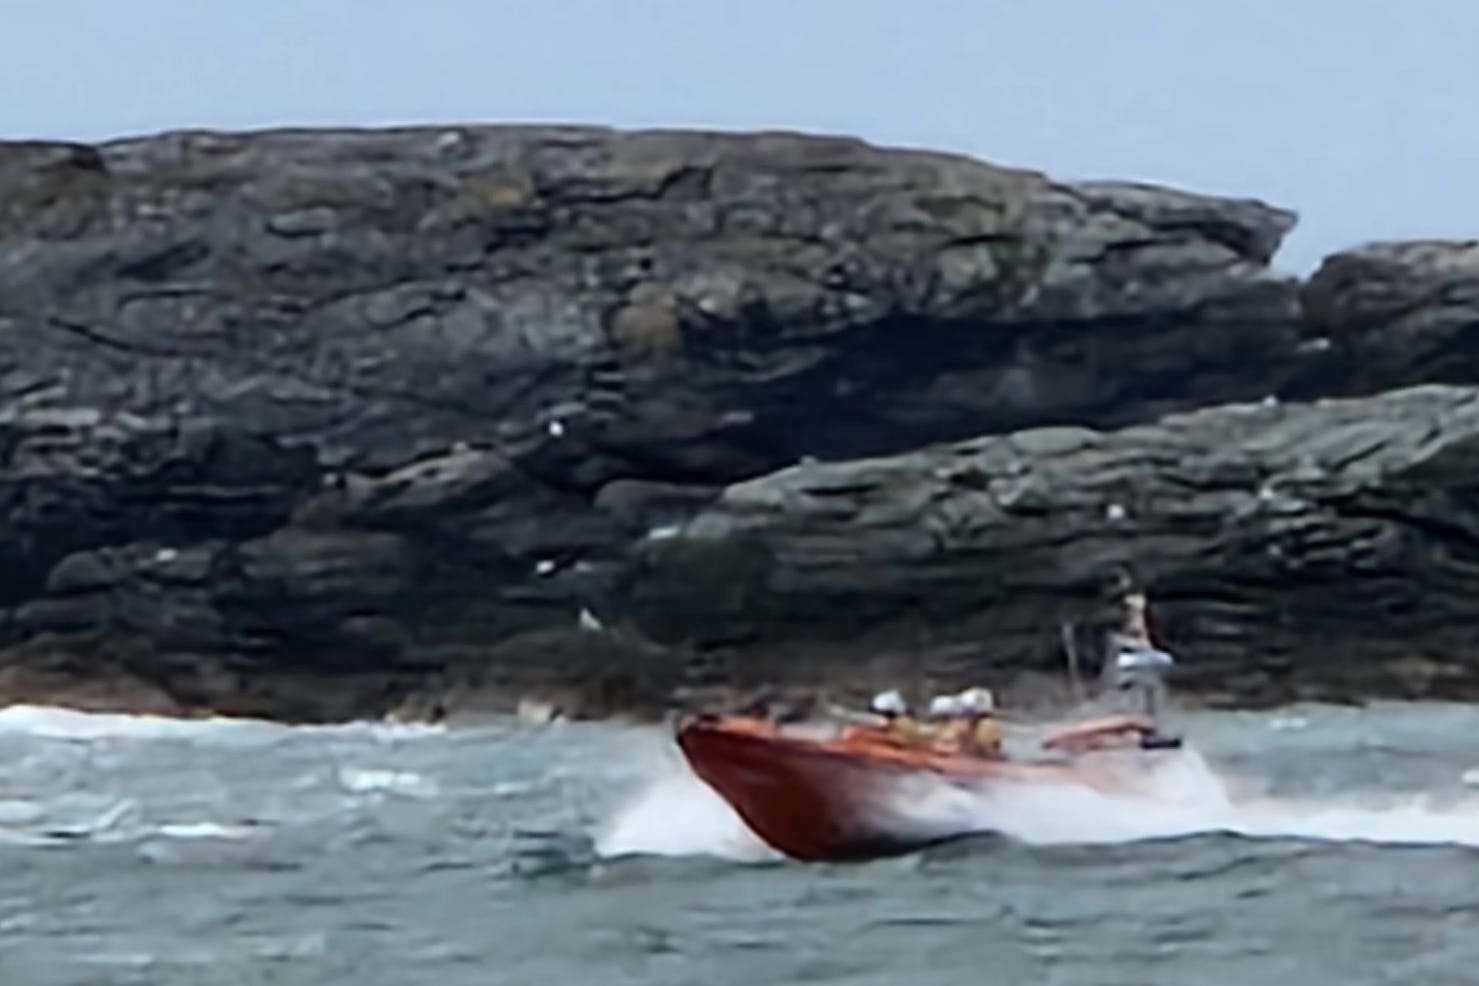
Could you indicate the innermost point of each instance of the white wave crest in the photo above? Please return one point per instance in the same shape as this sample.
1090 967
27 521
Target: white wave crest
47 722
366 780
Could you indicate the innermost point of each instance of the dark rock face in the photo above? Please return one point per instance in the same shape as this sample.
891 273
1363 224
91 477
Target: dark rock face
1322 549
679 306
305 423
1393 315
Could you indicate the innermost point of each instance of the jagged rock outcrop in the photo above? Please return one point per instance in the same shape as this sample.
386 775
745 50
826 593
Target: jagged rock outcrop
319 423
1392 315
1327 549
281 408
689 306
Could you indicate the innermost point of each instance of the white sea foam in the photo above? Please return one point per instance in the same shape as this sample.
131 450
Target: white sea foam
678 815
204 830
364 780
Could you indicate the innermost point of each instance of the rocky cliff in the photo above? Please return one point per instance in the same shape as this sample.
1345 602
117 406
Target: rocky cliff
303 423
1325 550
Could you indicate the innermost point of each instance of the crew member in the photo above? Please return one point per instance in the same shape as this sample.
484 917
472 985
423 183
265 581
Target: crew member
971 726
896 720
985 729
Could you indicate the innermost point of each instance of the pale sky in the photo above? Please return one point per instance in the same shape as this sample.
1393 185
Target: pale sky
1357 114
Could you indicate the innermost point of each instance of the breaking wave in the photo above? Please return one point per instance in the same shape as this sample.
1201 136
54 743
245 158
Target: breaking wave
76 777
46 722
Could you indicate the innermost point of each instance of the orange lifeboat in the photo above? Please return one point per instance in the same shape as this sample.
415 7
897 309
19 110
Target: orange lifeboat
836 796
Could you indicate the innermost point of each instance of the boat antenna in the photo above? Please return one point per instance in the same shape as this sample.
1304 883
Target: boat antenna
1070 649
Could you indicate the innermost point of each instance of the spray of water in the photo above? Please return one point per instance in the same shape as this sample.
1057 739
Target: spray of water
678 815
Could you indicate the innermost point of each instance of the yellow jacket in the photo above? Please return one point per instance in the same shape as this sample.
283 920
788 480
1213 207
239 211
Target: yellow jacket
987 735
982 736
905 729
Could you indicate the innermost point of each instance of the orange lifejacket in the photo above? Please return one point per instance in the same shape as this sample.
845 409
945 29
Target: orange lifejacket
898 729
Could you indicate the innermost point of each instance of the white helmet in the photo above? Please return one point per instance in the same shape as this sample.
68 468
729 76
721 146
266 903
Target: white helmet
978 701
942 706
889 703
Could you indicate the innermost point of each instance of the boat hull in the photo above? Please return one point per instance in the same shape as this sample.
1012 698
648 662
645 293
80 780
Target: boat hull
847 798
806 799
